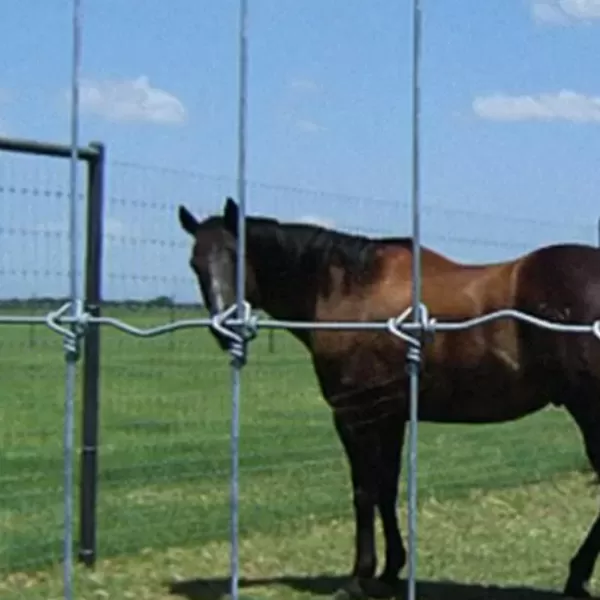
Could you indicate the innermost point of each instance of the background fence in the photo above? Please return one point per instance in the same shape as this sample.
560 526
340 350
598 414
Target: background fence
164 420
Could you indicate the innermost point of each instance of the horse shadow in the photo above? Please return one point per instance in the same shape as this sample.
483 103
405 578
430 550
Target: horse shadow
327 585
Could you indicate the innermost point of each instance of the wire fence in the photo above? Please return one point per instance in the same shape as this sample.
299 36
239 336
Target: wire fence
155 412
163 440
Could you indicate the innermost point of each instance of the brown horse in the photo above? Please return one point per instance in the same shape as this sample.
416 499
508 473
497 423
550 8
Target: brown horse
491 373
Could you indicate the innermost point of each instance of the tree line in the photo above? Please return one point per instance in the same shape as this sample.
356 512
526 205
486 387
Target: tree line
50 302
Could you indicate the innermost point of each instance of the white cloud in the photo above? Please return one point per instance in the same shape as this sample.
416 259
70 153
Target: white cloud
544 12
565 105
308 126
301 104
316 220
131 100
565 12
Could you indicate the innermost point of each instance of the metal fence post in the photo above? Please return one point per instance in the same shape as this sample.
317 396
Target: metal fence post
91 355
237 362
414 352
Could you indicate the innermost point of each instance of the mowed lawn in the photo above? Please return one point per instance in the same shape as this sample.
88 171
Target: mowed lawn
164 449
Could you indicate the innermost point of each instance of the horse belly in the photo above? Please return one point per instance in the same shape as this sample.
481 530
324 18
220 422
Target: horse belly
484 394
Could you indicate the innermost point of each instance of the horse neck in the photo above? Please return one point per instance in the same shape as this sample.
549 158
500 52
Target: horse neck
287 290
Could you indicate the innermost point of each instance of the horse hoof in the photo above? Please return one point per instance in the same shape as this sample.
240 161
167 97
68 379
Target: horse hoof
576 591
353 590
380 588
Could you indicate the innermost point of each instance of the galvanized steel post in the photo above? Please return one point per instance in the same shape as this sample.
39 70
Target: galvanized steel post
414 350
72 345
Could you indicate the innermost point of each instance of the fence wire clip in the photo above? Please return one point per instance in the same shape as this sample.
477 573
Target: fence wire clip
239 334
596 329
71 336
425 331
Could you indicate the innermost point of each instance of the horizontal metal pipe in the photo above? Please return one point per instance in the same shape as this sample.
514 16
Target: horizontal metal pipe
25 146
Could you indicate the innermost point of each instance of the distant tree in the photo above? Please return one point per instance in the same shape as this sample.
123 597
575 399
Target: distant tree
161 301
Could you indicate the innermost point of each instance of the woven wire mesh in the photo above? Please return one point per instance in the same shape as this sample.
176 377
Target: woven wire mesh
163 425
165 402
164 468
34 272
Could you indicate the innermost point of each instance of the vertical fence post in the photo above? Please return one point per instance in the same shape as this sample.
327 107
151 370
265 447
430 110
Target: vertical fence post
414 353
91 375
71 344
598 232
236 363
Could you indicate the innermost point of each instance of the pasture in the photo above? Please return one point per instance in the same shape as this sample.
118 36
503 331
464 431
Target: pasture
502 504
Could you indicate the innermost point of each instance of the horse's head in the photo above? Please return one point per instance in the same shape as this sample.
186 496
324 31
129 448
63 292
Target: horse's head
214 258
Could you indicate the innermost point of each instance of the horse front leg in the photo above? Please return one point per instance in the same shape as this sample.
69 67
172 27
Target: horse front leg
359 450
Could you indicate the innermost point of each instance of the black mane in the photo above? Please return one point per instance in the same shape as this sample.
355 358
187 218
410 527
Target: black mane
314 249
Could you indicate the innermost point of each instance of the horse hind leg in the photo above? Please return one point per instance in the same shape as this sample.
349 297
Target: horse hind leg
585 409
375 458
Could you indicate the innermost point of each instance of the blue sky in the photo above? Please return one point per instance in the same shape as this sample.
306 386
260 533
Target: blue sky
510 146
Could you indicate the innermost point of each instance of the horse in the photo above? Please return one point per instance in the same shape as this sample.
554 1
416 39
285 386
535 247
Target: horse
495 372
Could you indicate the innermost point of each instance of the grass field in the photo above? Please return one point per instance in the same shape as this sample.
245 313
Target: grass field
164 460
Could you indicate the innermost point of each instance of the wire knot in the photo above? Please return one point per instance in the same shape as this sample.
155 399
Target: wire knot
424 328
239 332
72 336
596 329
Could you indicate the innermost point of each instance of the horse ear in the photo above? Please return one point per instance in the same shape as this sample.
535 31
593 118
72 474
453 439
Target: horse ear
230 216
187 221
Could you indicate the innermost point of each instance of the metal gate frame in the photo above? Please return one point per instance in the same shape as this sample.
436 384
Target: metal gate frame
94 157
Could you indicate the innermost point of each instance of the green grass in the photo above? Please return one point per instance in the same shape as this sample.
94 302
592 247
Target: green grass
505 544
164 455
